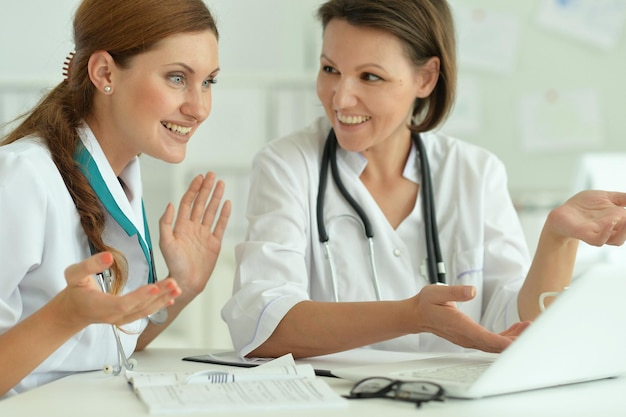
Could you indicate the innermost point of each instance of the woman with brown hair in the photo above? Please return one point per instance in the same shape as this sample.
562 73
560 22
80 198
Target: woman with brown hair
355 220
71 204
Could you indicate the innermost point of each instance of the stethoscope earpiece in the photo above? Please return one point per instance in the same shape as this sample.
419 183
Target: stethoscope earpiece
128 364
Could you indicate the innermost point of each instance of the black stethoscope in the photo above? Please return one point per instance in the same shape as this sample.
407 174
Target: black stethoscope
434 262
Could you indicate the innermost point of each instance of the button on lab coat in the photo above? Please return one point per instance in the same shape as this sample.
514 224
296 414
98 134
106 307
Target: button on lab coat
41 236
282 262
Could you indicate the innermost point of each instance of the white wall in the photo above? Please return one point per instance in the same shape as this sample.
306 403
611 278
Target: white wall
279 39
268 55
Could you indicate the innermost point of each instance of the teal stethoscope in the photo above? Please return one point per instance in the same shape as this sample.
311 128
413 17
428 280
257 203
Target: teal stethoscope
435 265
105 279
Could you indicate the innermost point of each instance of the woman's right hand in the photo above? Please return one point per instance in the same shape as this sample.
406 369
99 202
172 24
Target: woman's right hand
26 345
84 302
435 306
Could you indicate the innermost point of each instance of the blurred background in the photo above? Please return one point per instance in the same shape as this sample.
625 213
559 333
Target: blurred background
539 85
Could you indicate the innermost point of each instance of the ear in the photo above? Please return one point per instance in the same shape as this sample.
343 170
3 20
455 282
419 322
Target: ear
101 67
427 76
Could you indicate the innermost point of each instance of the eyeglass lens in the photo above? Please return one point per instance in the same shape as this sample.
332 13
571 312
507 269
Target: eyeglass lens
407 391
372 387
418 391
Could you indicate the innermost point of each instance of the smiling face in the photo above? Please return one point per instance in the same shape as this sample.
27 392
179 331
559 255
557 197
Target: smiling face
367 85
157 102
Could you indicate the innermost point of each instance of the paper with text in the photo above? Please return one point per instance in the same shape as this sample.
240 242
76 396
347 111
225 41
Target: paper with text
240 396
280 383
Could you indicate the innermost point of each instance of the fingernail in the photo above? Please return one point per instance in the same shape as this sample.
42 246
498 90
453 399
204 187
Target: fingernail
470 292
106 257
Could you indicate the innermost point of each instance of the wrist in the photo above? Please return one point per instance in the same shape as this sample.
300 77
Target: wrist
409 316
61 318
187 292
552 235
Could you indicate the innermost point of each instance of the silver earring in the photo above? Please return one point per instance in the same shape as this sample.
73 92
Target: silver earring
107 88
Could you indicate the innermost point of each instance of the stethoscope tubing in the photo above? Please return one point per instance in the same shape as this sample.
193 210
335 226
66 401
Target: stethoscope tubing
159 317
435 264
434 260
122 360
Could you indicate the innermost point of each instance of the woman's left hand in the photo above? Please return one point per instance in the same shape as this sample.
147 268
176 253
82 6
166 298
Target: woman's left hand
192 243
595 217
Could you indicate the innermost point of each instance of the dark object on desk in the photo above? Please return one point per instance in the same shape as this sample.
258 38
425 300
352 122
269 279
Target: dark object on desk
417 392
231 359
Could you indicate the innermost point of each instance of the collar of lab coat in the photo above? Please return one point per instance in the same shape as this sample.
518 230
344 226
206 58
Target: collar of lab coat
357 162
129 203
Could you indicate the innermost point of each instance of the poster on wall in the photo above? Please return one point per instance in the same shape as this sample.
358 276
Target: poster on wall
597 22
488 40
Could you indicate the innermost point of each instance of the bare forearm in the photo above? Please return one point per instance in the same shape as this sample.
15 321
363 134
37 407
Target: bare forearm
551 270
153 330
316 328
26 345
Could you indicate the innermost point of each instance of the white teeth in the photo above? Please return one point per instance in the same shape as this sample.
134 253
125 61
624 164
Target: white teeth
176 128
352 120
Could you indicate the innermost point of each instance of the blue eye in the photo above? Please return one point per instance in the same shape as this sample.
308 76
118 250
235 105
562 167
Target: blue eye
207 83
177 79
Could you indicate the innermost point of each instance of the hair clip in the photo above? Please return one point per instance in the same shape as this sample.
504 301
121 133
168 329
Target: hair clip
67 66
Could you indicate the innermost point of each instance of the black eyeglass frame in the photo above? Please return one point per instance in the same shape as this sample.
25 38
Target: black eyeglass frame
394 387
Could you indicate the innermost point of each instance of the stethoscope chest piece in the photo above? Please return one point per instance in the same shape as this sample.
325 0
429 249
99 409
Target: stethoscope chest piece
158 317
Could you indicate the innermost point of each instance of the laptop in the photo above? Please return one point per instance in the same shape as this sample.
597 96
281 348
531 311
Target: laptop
580 337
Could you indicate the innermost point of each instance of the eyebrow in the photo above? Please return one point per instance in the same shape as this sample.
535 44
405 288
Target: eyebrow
191 70
360 67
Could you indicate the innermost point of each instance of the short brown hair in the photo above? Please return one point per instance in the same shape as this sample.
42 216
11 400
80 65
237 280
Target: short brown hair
426 29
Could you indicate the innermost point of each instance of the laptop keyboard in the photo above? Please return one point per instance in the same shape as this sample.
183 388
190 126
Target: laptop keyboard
457 373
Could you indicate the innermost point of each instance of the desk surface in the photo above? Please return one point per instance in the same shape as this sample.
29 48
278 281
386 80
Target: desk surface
97 394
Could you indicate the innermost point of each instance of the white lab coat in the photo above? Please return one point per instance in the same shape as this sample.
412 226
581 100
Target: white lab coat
41 236
282 262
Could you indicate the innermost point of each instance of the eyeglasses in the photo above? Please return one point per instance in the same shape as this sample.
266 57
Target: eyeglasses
416 392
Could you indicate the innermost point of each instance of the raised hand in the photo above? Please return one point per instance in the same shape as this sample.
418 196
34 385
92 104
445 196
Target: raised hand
191 244
595 217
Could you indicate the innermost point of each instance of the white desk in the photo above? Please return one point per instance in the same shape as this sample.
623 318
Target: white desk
94 394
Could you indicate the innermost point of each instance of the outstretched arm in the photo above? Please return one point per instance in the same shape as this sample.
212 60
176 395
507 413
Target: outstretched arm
595 217
314 328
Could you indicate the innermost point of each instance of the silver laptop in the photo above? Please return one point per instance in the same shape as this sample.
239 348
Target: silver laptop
580 337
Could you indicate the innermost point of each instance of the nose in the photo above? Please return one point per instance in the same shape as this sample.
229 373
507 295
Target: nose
197 104
345 93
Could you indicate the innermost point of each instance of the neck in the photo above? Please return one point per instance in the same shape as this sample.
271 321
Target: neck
387 160
115 154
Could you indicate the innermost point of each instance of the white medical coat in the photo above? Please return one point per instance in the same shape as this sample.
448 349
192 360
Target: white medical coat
281 262
41 236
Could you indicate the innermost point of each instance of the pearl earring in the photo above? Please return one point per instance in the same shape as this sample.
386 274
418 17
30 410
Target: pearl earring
107 89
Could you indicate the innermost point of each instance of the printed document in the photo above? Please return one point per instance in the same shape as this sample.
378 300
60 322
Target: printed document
278 384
